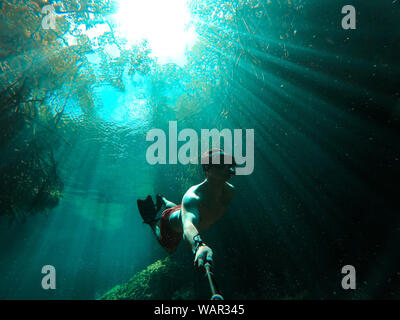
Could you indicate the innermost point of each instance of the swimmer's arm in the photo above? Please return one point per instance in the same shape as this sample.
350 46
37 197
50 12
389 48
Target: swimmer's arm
190 221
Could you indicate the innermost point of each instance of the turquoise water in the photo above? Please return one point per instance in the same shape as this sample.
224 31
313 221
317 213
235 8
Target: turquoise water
323 103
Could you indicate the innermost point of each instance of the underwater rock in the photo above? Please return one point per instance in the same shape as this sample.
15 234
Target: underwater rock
163 280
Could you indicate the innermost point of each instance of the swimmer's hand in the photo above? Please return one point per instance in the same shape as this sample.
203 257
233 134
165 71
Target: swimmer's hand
204 254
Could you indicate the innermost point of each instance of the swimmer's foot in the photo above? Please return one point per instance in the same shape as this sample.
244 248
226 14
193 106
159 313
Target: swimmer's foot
147 210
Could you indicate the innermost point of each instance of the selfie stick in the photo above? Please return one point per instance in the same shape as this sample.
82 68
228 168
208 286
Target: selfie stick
213 285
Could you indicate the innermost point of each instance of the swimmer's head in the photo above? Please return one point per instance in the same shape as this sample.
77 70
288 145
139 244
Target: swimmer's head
217 164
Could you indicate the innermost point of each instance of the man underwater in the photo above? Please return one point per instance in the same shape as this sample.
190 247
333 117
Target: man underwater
202 205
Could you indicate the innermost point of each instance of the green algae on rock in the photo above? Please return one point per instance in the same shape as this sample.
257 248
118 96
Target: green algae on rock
164 279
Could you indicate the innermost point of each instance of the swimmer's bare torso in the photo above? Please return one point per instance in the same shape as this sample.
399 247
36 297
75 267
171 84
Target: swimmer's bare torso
208 202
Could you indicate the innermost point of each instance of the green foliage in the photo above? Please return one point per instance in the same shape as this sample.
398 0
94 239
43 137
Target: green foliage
40 74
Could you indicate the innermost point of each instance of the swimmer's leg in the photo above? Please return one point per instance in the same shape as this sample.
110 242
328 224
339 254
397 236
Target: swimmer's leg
151 213
174 221
162 201
161 204
174 218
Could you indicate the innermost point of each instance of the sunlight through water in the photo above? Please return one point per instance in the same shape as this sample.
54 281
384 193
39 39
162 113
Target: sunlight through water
164 24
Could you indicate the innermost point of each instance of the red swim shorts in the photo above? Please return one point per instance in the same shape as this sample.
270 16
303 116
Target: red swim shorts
169 238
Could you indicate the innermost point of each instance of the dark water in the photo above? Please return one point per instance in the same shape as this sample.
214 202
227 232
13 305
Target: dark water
324 105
